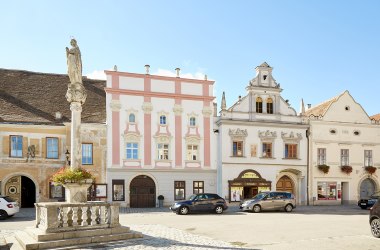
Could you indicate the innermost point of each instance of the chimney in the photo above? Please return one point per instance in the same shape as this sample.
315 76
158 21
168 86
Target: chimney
178 70
308 106
115 68
147 67
205 77
215 109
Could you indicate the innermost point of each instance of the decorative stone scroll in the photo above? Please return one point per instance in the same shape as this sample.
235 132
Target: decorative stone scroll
291 136
267 134
238 132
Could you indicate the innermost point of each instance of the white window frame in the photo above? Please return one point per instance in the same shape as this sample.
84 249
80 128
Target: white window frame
134 147
321 156
345 157
192 153
368 159
87 152
52 148
163 151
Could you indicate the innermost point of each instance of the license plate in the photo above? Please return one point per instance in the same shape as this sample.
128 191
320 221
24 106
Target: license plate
364 204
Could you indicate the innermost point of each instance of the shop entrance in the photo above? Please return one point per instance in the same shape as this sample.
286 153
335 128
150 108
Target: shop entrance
143 192
22 189
367 188
246 185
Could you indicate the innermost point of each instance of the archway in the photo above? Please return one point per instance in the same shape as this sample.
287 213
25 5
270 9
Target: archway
142 192
21 189
285 184
367 187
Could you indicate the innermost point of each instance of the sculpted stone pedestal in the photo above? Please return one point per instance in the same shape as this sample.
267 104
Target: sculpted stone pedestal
76 192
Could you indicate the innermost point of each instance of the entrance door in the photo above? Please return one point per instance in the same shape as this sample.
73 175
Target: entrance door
285 184
143 192
367 187
21 189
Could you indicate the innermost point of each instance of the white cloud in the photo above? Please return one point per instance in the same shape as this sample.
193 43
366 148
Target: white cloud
97 74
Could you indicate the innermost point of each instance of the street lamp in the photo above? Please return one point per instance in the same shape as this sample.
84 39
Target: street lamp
67 157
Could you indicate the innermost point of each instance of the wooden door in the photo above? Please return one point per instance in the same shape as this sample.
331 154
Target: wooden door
285 184
142 192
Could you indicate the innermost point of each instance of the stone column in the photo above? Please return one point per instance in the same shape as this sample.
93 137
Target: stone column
76 147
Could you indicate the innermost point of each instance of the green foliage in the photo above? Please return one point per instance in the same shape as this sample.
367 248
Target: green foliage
346 169
324 168
67 175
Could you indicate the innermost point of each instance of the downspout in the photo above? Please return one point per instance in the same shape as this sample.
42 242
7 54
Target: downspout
308 167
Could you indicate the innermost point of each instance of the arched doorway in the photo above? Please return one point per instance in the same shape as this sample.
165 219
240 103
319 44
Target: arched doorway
21 189
142 192
285 184
367 187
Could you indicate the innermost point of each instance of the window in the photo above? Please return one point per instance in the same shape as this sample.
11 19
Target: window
267 149
198 187
321 156
16 146
87 154
237 148
192 152
291 151
327 191
192 121
52 148
163 120
269 106
368 158
179 190
132 118
259 105
118 190
163 151
132 151
344 157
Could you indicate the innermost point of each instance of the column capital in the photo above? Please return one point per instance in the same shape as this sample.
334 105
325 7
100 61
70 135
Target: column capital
115 105
76 106
177 109
207 111
147 107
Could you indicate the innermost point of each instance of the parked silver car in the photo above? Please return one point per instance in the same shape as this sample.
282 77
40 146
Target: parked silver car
269 201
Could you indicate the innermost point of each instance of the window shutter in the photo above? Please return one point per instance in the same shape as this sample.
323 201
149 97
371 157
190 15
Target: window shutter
43 148
24 146
6 150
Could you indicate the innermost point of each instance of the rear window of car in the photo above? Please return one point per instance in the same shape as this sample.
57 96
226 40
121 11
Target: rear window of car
9 199
213 196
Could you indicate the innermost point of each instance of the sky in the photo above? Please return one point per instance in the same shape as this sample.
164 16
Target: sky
318 49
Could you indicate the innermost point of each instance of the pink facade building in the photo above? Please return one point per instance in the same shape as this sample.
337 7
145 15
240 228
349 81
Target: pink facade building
159 138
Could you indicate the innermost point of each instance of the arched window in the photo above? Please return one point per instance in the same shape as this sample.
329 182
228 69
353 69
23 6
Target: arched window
269 106
192 121
163 120
259 105
131 118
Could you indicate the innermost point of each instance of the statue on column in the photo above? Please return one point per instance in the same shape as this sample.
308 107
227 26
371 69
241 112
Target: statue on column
76 92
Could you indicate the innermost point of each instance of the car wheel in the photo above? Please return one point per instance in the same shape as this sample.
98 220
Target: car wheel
375 227
183 210
219 209
3 215
363 207
288 208
256 209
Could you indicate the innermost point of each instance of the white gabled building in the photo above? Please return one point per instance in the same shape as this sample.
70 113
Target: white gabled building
262 143
342 135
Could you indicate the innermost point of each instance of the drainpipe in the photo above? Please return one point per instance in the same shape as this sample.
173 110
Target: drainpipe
308 167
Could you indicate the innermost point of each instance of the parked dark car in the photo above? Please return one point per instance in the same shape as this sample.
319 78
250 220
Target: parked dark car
374 219
365 203
205 202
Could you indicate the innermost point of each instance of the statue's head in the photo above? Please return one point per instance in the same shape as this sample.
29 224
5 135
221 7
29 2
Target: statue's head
73 42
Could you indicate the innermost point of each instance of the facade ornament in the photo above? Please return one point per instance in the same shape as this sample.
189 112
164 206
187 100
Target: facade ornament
115 105
147 107
291 136
238 132
207 111
224 106
177 109
267 134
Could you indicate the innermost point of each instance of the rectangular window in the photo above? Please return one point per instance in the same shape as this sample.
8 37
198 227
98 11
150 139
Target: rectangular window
192 152
163 151
132 151
321 156
267 149
87 153
51 148
179 190
16 146
237 148
344 157
270 108
198 187
368 158
118 190
327 191
291 151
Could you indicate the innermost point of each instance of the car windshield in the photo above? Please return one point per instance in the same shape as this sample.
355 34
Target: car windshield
260 196
192 197
9 199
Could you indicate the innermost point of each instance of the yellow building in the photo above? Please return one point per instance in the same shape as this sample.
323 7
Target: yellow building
35 133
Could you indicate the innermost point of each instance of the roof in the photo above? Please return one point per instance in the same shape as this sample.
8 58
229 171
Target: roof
31 97
375 117
320 109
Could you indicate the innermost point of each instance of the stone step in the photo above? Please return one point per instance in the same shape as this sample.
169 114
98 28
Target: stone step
27 242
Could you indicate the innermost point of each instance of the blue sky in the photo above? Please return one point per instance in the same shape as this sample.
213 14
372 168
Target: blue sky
318 49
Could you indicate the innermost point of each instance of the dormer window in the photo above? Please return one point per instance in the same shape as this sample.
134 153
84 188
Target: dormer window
192 121
132 118
163 120
264 77
259 105
269 106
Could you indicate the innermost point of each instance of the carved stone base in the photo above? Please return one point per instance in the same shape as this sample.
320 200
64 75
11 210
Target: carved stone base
76 192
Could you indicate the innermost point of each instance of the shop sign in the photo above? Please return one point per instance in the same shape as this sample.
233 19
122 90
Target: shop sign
250 175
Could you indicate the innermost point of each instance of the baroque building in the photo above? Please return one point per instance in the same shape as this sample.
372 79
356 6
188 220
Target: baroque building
159 138
344 151
261 143
35 133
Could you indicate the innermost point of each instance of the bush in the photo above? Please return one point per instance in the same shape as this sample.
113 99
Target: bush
370 169
324 168
346 169
67 175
